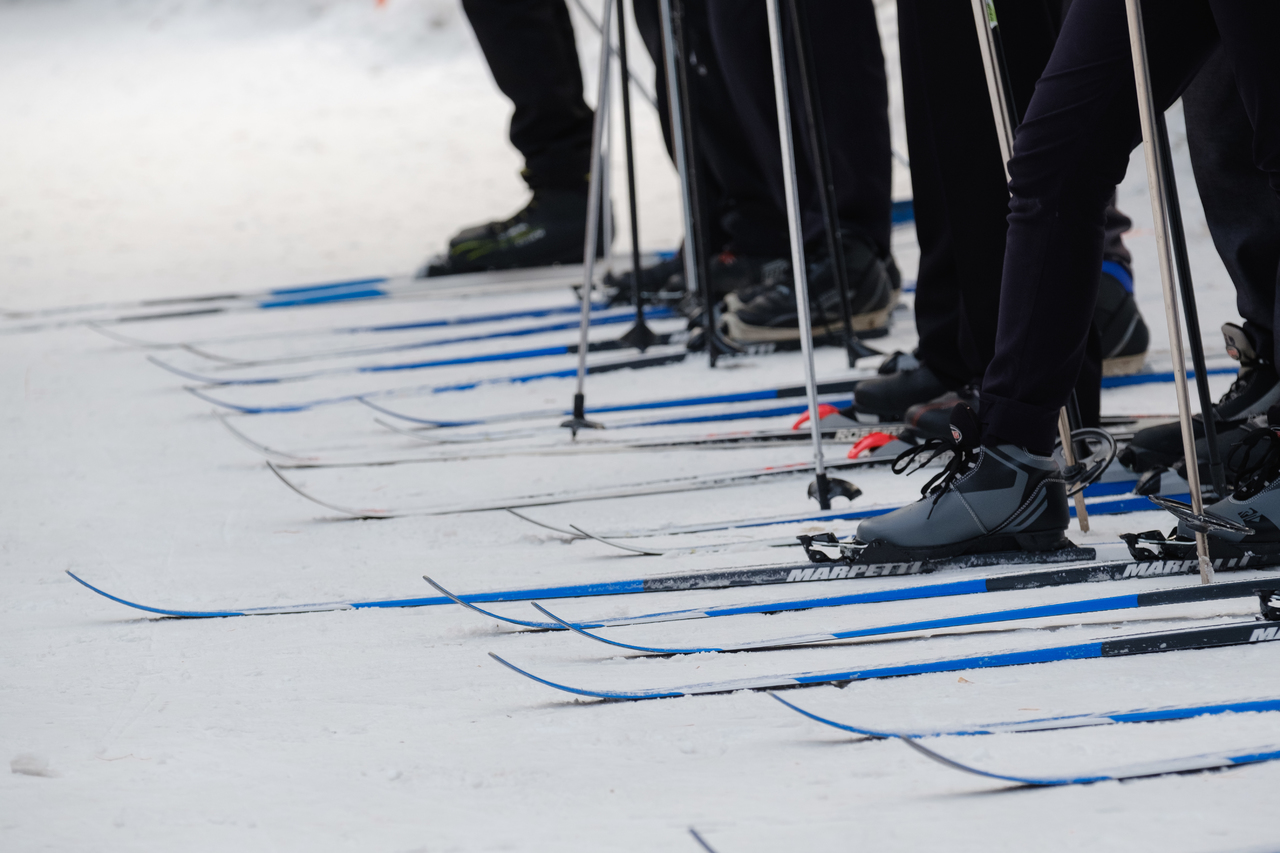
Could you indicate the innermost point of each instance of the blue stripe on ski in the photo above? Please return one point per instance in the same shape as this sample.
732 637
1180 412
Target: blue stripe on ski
318 299
1189 764
1093 605
570 591
319 288
1066 721
1153 378
474 319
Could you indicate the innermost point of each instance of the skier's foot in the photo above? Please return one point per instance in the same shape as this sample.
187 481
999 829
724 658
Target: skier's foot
551 229
1255 502
986 499
1255 391
771 314
1120 326
662 282
741 278
886 398
933 419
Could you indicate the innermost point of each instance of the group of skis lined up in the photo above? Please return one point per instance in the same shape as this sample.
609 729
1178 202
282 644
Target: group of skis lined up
1136 561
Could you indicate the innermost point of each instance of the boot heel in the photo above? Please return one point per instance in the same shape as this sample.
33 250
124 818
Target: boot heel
1048 541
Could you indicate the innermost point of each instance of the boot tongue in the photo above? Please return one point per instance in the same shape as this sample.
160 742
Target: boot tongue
1239 346
964 427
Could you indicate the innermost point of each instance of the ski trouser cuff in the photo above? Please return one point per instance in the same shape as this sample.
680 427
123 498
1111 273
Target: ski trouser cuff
1007 421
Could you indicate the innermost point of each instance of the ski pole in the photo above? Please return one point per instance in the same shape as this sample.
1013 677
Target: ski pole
1005 113
1158 184
822 487
594 214
821 156
1186 290
640 335
695 247
617 51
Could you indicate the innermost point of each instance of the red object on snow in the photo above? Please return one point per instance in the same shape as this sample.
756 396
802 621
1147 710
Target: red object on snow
824 409
870 442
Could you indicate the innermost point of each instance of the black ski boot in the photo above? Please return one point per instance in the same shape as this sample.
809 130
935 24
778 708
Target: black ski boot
1120 326
1255 391
771 314
661 283
1254 504
551 229
986 499
933 419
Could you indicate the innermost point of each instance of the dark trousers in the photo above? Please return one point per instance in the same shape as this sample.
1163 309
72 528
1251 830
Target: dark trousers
735 124
851 87
736 209
1071 150
1242 212
532 55
961 199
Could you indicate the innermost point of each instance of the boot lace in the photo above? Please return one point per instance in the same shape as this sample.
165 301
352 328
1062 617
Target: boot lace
963 459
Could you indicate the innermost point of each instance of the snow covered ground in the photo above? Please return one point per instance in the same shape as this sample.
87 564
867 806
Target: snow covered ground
158 149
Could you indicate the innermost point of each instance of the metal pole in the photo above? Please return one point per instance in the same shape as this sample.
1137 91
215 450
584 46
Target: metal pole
1006 119
797 243
677 139
1158 184
639 336
594 211
1186 289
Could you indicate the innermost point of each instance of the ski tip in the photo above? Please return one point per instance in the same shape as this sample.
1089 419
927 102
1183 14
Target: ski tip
701 841
1017 780
866 733
639 551
546 626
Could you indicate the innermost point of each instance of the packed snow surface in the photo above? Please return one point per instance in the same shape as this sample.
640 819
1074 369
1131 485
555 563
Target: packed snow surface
159 148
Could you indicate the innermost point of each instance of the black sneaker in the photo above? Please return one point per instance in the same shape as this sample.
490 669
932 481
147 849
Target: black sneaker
1255 391
986 499
551 229
1120 326
771 315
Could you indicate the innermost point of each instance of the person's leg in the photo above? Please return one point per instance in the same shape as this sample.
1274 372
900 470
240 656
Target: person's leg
1242 211
850 86
531 52
1071 151
530 49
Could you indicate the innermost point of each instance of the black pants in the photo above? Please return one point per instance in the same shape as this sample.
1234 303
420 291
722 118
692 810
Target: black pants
851 87
1070 152
961 199
532 55
1242 212
736 210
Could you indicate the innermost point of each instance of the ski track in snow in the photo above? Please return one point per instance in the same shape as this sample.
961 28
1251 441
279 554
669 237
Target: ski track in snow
169 147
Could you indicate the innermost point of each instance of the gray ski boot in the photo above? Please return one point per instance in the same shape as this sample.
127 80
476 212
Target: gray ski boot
986 499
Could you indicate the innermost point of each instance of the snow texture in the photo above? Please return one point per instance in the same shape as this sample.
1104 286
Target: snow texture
171 147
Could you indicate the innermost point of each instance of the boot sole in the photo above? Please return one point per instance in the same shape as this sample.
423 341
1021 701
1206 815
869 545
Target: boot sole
1124 365
883 552
737 330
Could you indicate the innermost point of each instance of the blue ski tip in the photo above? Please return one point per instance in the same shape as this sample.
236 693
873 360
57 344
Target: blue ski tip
870 733
548 626
594 694
190 614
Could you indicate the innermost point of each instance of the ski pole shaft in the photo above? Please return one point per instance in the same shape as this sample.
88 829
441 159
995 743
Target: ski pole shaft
617 51
1186 289
1158 185
631 166
797 241
821 157
594 207
676 112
